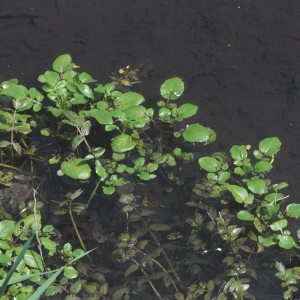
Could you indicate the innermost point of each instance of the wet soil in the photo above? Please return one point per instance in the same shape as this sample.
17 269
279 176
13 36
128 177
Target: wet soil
240 60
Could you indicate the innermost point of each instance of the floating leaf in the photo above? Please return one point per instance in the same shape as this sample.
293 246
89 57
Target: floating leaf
76 169
270 146
172 88
122 143
293 210
6 229
128 99
199 133
70 272
286 242
279 225
209 164
238 152
256 185
186 110
245 215
262 166
239 193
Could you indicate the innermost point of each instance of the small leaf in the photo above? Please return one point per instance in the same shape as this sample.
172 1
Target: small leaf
62 63
162 227
279 225
245 215
70 272
209 164
122 143
6 229
238 152
131 269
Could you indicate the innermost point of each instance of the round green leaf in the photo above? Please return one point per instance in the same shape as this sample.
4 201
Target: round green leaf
135 112
6 229
262 166
209 164
186 110
279 225
286 242
172 88
245 215
52 290
70 272
51 78
76 169
108 190
239 193
270 146
122 143
238 152
33 260
256 185
199 133
62 63
128 99
293 210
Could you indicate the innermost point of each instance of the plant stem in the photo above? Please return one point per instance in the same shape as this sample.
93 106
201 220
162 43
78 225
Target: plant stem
75 227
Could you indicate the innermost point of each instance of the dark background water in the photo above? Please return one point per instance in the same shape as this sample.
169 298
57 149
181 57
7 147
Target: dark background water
240 60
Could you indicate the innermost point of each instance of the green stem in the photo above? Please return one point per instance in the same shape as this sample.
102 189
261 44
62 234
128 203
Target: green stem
75 227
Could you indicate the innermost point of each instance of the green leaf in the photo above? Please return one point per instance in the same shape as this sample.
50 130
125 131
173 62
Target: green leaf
102 116
293 210
245 215
7 228
186 110
4 259
239 193
162 227
209 164
15 91
52 290
238 152
33 260
286 242
199 133
128 99
77 141
262 166
279 186
268 241
62 63
137 112
122 143
279 225
256 185
70 272
131 269
48 244
76 169
51 78
270 146
86 78
86 90
108 190
172 88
